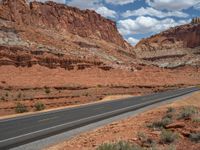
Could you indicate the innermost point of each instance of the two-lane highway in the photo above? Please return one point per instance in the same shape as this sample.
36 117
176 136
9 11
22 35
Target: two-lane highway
21 130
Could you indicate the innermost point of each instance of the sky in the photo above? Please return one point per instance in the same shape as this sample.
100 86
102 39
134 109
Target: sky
137 19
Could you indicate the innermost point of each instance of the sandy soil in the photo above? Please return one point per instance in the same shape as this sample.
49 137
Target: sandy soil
127 130
38 76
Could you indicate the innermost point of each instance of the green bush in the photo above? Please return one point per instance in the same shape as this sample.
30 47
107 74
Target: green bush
168 137
21 108
187 112
39 106
162 123
119 146
195 137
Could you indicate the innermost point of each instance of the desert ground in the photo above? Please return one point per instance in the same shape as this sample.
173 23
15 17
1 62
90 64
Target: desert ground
54 88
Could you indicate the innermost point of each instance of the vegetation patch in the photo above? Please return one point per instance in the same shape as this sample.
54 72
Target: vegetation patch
145 140
195 137
21 108
188 112
168 137
121 145
161 124
39 106
47 90
196 120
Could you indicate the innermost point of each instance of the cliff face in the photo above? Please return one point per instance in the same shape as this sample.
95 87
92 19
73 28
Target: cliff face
50 28
62 18
185 36
174 47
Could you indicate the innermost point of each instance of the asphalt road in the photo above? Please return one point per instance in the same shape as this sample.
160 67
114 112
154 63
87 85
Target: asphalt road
21 130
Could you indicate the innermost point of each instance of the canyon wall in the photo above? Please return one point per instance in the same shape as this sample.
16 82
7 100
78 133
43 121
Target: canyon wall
85 23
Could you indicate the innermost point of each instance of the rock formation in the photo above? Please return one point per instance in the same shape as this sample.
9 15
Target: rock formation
59 35
86 23
175 47
56 35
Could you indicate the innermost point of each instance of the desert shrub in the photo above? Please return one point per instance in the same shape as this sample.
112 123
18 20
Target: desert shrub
168 136
21 108
171 147
187 112
47 90
197 120
146 141
39 106
99 85
195 137
119 146
170 110
169 115
142 136
7 94
19 96
161 124
3 98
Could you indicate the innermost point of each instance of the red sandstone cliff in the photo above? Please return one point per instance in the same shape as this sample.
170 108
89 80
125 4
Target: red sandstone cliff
56 35
85 23
185 36
177 46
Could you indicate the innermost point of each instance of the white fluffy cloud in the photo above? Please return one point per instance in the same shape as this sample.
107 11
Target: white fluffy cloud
153 12
57 1
142 25
119 2
104 11
197 6
94 5
172 4
85 4
132 41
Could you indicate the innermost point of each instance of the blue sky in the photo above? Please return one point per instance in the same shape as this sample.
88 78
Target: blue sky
138 19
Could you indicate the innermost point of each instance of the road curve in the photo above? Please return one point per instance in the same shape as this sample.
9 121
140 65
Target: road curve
22 130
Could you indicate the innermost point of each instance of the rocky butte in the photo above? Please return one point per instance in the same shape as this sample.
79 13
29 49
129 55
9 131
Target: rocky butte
175 47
